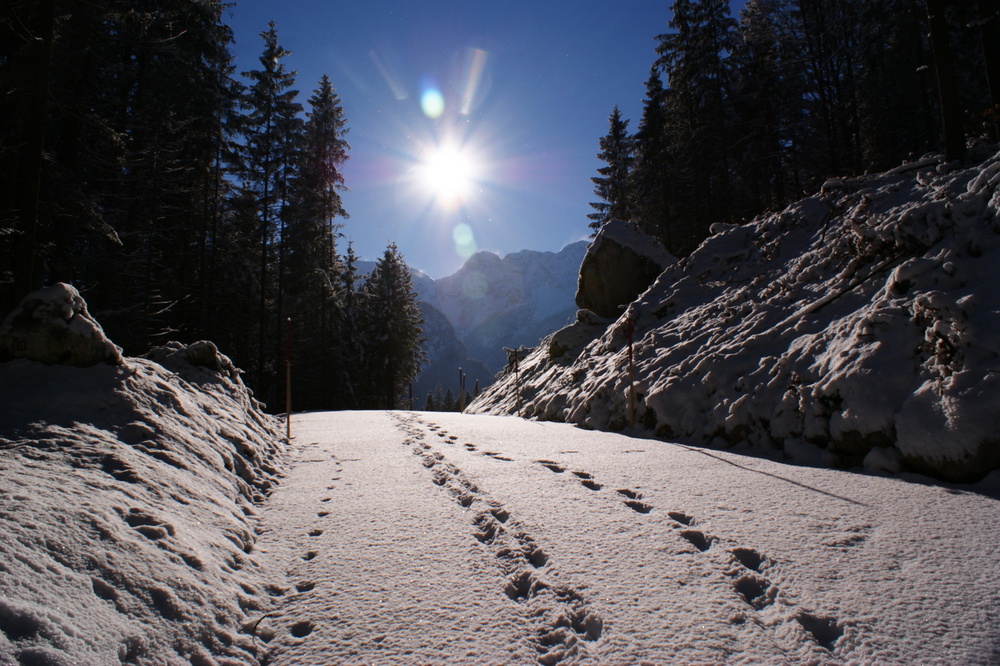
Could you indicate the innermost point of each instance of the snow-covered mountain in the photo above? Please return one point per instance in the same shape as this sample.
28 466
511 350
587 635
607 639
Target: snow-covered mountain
491 303
859 326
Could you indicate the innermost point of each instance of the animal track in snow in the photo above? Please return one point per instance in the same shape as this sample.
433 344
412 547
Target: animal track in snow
583 475
310 555
749 558
553 466
755 590
826 630
302 628
631 494
563 622
496 456
591 484
681 518
305 586
697 539
315 533
638 507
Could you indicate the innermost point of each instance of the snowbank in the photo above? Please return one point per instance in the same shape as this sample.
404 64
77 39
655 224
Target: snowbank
127 494
859 326
52 325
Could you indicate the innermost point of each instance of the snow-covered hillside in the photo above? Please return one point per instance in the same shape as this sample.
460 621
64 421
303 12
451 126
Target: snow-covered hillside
128 499
858 326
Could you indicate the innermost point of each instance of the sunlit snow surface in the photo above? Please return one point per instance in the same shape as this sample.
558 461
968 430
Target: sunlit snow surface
436 538
143 520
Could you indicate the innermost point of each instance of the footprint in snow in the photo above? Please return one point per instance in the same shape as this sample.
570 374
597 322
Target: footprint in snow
315 533
638 507
697 539
553 466
591 484
631 494
826 630
302 628
310 555
681 517
756 591
305 586
749 558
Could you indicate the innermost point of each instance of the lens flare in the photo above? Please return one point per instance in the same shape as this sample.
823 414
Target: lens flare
432 103
475 66
465 241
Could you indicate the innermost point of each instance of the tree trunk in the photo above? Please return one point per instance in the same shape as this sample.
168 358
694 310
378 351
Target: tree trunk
989 36
951 111
26 278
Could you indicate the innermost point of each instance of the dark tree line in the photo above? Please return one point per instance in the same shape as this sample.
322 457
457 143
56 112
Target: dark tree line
743 116
187 201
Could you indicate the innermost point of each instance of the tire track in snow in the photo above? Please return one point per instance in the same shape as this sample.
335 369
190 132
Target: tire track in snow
565 626
744 566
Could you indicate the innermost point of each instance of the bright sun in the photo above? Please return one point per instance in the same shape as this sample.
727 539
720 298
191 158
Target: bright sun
449 173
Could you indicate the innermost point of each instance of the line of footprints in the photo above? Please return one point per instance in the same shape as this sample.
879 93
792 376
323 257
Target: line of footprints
749 583
563 622
757 591
301 628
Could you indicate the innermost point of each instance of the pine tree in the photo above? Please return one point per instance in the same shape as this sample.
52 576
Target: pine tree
693 57
312 265
271 130
394 354
612 186
649 184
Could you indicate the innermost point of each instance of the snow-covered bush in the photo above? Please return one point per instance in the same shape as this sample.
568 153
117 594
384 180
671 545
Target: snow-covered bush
864 318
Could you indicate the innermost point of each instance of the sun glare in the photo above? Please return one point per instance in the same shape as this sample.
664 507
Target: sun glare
449 174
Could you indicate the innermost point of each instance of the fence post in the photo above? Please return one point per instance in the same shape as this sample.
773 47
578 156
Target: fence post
288 380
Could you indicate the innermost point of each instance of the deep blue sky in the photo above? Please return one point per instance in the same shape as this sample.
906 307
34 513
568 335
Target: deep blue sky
527 88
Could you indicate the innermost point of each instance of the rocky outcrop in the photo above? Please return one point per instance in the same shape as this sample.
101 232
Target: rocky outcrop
619 265
52 326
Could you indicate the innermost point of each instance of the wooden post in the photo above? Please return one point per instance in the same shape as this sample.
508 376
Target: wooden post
288 380
631 376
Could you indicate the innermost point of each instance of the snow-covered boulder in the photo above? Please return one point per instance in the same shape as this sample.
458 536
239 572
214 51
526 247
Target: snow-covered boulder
620 264
864 318
52 326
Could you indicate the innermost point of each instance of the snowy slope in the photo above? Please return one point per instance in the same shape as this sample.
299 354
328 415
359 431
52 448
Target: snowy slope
402 538
860 326
127 499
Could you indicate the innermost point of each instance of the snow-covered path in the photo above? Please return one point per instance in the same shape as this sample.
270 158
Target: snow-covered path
444 538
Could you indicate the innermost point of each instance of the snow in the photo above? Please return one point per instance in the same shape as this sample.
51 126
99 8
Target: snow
628 235
128 534
52 325
127 496
863 317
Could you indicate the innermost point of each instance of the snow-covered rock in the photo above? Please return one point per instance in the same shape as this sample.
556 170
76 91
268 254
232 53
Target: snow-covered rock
864 317
52 326
127 499
620 264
